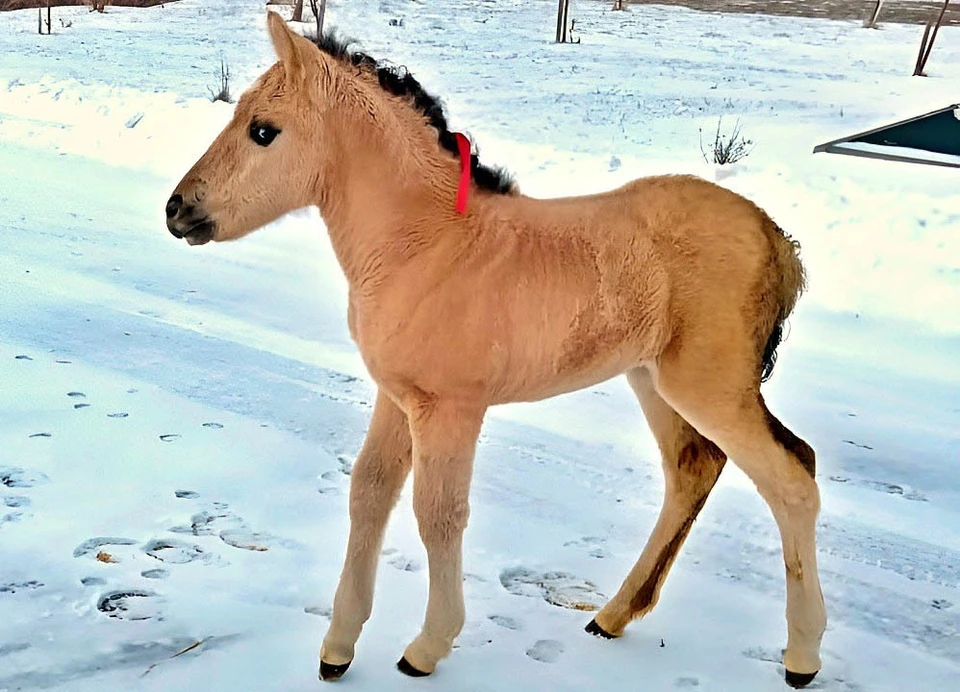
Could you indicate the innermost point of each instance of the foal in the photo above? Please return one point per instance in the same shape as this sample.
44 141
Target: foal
676 282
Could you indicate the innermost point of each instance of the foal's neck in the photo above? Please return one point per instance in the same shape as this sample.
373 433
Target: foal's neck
388 189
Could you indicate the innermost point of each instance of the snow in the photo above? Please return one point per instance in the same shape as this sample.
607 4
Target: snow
246 402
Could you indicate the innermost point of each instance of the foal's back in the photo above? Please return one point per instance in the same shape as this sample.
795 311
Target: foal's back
553 295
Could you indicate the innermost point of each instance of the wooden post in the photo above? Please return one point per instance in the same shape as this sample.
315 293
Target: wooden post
323 12
871 20
298 11
563 12
926 46
40 21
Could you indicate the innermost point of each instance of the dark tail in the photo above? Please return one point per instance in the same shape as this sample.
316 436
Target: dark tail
789 283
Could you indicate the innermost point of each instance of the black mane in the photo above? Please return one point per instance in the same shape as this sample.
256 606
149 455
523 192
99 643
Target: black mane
399 82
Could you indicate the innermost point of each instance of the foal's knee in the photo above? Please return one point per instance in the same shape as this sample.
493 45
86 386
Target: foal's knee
440 517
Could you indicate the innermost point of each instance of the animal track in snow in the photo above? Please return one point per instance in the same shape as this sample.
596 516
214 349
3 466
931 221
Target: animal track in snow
546 650
129 604
93 545
201 523
505 621
321 611
175 552
882 487
16 501
595 544
14 587
186 494
686 683
557 588
245 539
17 477
404 563
158 573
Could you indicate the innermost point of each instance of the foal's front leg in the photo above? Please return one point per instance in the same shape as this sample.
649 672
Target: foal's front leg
375 483
444 441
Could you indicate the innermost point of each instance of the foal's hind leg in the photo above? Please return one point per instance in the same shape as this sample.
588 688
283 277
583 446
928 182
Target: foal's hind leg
781 465
375 483
691 466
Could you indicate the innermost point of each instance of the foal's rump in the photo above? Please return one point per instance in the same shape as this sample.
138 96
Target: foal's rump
731 270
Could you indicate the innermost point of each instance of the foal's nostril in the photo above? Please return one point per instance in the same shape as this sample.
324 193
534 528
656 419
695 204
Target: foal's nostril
174 205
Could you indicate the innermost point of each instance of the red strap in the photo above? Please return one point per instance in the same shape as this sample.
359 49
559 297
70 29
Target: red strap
463 144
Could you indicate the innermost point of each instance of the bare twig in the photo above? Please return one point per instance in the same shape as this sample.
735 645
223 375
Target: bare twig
727 148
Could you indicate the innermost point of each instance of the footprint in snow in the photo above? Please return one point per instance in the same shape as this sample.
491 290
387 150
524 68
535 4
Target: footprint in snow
130 604
158 573
18 477
175 552
881 487
186 494
93 546
320 611
14 587
404 563
22 357
595 543
546 650
557 588
686 683
201 523
473 636
16 501
506 622
244 539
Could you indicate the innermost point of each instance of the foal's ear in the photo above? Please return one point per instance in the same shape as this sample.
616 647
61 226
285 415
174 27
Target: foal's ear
288 45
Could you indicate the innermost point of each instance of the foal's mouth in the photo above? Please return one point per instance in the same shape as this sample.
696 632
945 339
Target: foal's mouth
199 233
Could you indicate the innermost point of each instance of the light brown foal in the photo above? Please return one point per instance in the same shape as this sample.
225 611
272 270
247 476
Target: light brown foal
679 283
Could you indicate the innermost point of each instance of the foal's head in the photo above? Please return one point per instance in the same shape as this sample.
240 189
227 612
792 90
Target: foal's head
256 170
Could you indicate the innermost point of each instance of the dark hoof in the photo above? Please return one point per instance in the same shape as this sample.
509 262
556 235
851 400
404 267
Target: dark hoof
798 680
329 672
404 666
596 630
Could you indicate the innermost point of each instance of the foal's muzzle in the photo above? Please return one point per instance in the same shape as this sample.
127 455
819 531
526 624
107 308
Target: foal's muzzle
189 222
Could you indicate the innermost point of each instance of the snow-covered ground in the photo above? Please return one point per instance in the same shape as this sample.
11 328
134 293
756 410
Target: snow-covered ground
177 425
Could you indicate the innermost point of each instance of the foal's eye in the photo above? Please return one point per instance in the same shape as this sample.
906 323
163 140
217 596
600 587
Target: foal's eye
263 134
